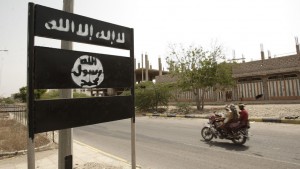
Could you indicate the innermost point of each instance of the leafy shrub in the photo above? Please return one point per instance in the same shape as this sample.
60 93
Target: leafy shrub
52 94
183 107
149 96
79 95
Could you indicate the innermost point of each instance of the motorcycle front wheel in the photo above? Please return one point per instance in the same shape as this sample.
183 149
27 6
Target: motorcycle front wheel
207 134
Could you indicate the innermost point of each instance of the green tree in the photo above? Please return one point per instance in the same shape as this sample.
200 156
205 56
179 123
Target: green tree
22 95
224 79
197 69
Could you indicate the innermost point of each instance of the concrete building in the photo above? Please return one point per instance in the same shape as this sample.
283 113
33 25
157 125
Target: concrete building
273 79
145 72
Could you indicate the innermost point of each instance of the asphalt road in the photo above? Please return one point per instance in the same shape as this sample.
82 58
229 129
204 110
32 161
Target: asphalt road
169 143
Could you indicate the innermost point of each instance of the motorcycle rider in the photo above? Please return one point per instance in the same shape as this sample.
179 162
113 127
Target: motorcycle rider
243 119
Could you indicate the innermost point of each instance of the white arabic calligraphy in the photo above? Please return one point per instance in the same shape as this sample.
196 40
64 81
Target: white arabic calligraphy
113 37
119 40
52 25
87 72
102 35
73 26
85 30
91 31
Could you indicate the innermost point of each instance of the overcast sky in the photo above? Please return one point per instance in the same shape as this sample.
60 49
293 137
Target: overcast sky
240 25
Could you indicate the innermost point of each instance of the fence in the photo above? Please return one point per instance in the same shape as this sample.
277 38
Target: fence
210 95
249 90
18 113
280 88
277 89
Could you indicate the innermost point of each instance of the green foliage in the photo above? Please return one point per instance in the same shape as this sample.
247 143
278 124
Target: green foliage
38 93
7 100
52 94
183 107
22 95
79 95
149 96
198 69
224 79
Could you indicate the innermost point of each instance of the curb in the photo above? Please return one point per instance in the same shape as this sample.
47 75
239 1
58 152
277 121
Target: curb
276 120
175 115
256 119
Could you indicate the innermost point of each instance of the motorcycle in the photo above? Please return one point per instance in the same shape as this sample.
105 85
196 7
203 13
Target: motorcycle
213 129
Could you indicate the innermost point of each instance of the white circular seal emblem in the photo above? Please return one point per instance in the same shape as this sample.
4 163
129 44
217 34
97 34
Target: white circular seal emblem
87 72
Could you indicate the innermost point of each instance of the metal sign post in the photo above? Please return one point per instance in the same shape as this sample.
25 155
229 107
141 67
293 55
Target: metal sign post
30 90
133 155
65 142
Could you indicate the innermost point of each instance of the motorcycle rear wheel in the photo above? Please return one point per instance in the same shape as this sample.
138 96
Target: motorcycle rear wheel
240 139
207 134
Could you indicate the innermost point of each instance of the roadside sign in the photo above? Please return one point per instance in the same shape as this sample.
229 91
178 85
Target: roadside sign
50 68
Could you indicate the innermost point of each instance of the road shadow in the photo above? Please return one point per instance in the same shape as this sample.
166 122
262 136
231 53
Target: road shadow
227 145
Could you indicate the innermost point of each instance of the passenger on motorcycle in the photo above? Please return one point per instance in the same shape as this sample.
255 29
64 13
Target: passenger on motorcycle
234 112
228 115
228 119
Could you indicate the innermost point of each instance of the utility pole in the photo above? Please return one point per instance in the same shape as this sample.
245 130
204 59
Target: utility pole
65 142
133 140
